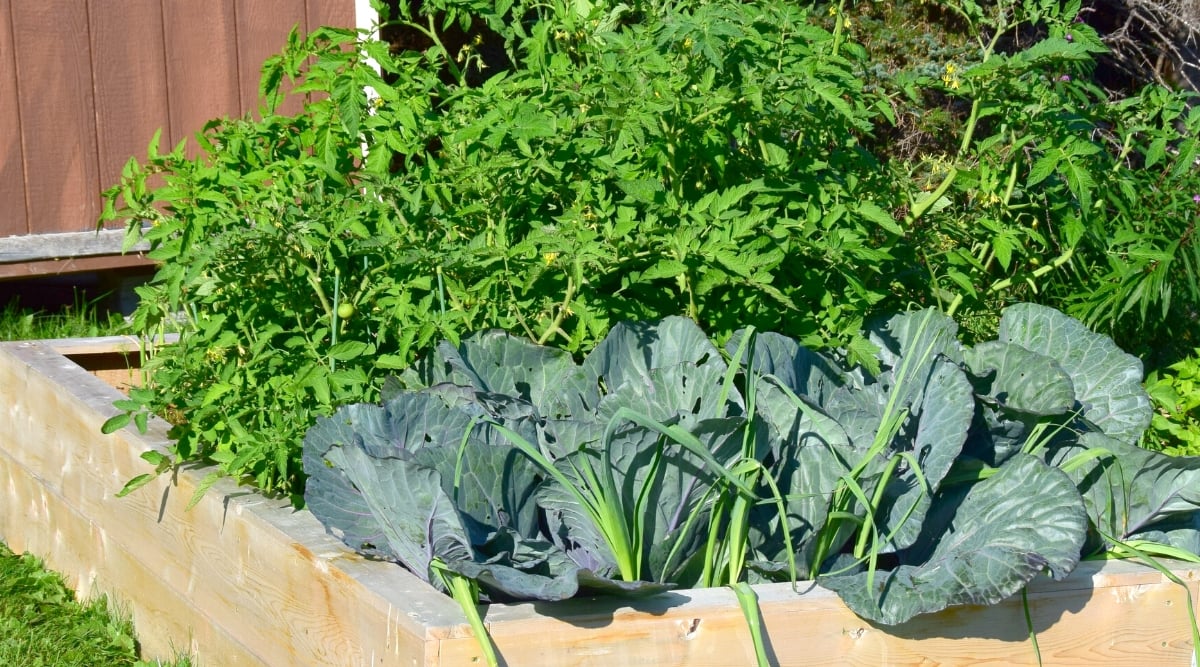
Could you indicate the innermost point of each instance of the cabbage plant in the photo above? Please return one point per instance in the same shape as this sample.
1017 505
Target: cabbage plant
499 469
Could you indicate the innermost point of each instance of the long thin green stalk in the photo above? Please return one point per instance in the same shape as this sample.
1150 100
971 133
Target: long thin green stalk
1145 552
748 601
564 308
686 440
593 506
686 530
920 208
849 490
335 319
1033 640
641 507
737 534
466 593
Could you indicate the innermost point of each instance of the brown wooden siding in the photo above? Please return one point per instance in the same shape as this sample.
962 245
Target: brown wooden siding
84 84
12 156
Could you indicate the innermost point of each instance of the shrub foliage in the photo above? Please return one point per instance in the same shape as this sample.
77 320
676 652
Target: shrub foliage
553 168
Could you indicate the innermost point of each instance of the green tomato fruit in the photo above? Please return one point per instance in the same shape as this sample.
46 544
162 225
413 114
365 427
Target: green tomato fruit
346 311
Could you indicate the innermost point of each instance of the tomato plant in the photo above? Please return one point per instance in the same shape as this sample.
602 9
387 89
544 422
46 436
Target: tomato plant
581 164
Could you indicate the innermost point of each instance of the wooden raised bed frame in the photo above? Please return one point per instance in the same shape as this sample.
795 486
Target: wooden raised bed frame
244 580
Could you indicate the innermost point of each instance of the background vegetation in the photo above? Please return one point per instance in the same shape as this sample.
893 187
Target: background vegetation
83 318
553 168
42 625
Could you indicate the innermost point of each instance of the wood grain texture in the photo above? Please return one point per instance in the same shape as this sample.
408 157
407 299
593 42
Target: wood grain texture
269 580
67 244
95 564
130 73
13 218
202 65
334 13
54 267
84 84
253 582
81 349
263 28
337 13
56 99
1111 614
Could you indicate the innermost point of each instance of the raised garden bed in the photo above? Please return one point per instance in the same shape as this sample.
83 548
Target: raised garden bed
244 580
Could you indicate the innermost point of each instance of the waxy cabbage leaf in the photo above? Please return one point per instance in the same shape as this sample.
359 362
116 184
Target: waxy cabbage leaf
943 475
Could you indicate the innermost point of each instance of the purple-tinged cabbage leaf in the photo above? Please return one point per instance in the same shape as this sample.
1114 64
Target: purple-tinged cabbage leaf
939 439
1016 389
1134 493
1107 381
426 476
981 544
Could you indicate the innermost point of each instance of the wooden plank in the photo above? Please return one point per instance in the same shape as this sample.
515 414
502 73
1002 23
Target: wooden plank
103 346
93 564
64 266
275 582
337 13
13 218
202 65
1103 614
119 371
289 594
58 124
262 31
130 76
65 245
116 360
334 13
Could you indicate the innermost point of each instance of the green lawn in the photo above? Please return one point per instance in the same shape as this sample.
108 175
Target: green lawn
42 625
41 622
79 320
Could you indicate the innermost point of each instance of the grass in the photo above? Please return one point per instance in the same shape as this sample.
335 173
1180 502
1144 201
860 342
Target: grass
80 319
41 622
42 625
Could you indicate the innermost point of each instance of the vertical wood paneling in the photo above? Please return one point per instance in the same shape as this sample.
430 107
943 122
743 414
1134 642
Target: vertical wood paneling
58 124
85 83
339 13
12 166
130 82
202 81
263 27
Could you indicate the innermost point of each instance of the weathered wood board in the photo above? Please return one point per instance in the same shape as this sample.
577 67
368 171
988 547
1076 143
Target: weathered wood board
32 248
238 579
85 85
244 580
